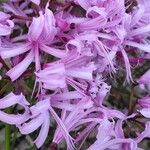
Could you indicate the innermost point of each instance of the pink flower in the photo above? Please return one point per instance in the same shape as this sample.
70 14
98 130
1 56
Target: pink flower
73 116
64 72
55 72
39 117
41 32
106 138
80 48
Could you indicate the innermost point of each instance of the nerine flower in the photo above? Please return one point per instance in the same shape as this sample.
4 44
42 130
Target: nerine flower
85 46
64 72
106 138
39 117
41 33
53 76
73 115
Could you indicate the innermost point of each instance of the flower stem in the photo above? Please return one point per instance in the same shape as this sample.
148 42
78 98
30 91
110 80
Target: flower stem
7 135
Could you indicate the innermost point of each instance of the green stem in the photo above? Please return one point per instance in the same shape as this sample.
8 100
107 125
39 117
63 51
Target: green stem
7 135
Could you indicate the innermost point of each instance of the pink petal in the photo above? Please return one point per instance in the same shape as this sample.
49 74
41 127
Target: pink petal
145 112
143 47
119 130
43 132
5 30
20 68
55 71
31 126
49 26
57 83
144 102
3 16
14 51
12 99
67 96
127 65
36 28
52 68
64 130
82 73
53 51
141 30
37 2
14 119
40 106
72 107
145 79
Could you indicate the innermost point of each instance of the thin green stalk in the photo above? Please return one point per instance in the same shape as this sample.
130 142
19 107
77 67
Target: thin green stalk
7 135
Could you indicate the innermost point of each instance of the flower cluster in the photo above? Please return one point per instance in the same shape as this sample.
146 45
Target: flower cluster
72 50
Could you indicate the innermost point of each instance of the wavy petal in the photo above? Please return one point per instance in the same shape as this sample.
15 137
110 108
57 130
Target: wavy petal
53 51
14 51
31 126
20 68
43 132
12 99
40 106
36 28
49 26
14 119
